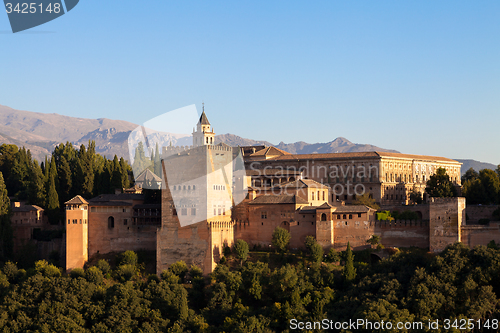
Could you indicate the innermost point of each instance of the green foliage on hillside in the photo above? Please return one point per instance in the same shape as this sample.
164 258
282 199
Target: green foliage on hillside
408 286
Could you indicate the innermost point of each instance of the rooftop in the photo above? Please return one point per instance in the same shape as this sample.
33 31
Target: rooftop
77 200
279 199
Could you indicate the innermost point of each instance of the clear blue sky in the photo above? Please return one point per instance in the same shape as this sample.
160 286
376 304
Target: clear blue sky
416 76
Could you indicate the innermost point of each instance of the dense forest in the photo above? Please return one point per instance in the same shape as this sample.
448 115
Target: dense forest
257 292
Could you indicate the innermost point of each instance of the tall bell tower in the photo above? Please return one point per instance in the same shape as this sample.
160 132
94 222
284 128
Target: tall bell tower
204 135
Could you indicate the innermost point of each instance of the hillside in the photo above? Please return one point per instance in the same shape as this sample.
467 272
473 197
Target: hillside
476 165
40 132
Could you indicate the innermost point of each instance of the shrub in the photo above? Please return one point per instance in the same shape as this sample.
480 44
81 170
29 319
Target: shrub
333 255
77 273
46 269
10 270
241 249
127 258
170 277
316 253
103 265
179 268
195 272
125 272
94 275
281 239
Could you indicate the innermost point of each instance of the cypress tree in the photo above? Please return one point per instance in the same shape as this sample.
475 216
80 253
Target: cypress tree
349 270
65 182
124 168
116 175
36 192
52 201
157 162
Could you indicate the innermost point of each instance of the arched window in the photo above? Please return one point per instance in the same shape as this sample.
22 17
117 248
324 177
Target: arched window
111 222
323 217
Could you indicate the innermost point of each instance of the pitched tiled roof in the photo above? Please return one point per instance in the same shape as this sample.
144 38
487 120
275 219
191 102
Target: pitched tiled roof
270 151
302 183
26 208
369 154
110 203
279 199
353 209
77 200
117 197
416 157
204 119
325 205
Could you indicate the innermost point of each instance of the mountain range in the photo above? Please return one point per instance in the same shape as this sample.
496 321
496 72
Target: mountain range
41 132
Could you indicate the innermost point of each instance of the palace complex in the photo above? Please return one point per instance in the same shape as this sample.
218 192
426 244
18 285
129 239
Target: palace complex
213 194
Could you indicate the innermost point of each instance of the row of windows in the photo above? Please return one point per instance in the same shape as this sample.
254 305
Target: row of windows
318 195
75 221
220 187
183 187
74 207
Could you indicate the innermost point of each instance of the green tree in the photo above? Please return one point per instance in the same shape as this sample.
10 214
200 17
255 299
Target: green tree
366 200
374 240
52 200
6 233
116 178
125 168
65 181
281 239
141 162
241 250
157 161
36 191
416 197
470 174
127 258
349 270
491 184
439 185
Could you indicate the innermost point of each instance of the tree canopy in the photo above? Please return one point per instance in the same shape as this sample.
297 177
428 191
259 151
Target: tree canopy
439 185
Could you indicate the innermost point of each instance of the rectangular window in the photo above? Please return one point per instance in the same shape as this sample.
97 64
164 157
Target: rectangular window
68 221
125 221
80 221
338 217
193 210
75 221
263 215
350 216
359 214
184 211
92 209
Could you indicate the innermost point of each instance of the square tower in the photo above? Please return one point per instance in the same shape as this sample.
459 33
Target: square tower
76 232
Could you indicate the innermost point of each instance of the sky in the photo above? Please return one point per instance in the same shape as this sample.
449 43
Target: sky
420 77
